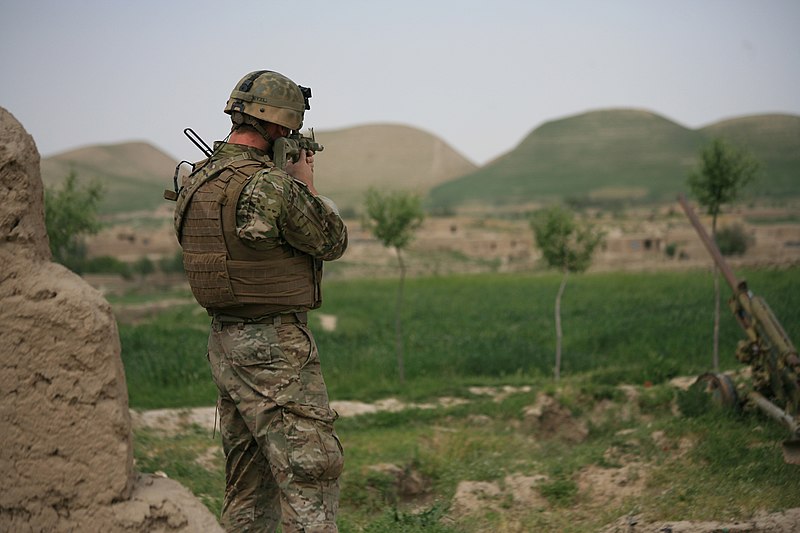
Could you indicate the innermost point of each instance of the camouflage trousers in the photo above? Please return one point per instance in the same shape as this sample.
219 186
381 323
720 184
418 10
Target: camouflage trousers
282 456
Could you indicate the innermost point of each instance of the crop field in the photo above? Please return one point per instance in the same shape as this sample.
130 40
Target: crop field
645 448
460 331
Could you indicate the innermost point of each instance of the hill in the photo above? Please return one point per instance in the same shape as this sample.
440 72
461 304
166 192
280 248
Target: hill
622 155
775 140
613 156
135 174
386 157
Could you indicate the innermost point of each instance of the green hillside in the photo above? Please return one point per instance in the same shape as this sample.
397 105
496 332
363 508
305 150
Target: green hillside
775 140
621 154
133 175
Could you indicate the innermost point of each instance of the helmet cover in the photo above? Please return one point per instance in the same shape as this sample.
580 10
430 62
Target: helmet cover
271 97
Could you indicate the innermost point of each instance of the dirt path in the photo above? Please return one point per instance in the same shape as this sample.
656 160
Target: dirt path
172 421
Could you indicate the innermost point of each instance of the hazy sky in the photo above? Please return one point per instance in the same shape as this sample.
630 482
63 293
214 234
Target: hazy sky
479 74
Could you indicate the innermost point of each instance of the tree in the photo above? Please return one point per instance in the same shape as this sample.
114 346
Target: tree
70 214
722 172
393 218
566 245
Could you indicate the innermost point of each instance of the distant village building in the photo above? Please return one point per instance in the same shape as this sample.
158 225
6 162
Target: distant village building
635 244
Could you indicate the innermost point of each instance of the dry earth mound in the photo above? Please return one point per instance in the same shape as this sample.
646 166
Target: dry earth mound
67 451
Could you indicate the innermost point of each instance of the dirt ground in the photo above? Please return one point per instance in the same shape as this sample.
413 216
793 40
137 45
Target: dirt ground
603 486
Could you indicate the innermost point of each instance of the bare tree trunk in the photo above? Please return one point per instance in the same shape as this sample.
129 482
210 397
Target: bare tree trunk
715 352
558 325
398 328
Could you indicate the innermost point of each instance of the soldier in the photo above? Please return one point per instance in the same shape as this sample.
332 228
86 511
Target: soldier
254 238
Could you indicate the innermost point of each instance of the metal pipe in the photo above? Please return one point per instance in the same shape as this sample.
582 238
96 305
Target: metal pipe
711 246
775 412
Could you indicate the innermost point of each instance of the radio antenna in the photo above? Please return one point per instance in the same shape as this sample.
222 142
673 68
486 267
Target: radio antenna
197 141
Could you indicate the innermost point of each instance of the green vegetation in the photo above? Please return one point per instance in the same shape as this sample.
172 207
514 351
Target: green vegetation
466 330
772 139
165 363
712 466
722 172
393 218
733 240
105 264
615 158
738 452
133 175
567 245
71 215
620 158
191 457
144 266
620 149
632 329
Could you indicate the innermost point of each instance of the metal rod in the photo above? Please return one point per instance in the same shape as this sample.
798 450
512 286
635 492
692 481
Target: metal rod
775 412
716 255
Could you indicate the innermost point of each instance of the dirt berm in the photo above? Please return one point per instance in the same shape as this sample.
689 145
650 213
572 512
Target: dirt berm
66 453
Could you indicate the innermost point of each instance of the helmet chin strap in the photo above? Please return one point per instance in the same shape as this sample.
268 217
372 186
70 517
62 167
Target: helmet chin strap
239 119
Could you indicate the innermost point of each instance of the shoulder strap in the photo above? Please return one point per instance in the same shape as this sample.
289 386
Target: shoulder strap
208 171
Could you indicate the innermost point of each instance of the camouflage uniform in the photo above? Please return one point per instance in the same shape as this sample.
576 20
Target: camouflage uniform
283 457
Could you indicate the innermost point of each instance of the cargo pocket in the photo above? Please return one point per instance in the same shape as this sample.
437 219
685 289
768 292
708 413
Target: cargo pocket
208 277
313 448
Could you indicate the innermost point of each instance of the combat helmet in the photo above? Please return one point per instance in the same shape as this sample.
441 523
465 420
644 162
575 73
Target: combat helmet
268 96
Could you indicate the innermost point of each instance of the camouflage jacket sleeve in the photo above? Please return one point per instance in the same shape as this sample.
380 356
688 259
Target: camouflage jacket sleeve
275 209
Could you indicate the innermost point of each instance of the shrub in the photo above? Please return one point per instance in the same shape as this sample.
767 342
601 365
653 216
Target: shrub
733 240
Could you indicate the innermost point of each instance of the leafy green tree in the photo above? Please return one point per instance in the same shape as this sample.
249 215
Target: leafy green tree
71 215
393 218
723 171
567 245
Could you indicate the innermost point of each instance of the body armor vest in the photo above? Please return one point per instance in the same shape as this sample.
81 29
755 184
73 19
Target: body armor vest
225 275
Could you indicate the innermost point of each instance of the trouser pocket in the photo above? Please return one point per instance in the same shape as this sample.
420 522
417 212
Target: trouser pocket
312 451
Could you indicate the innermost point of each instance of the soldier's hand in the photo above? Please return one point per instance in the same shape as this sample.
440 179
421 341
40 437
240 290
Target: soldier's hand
303 169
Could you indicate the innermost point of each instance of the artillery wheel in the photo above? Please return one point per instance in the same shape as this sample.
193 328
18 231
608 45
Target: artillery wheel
721 389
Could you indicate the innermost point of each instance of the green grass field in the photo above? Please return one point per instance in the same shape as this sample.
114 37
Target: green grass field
636 330
462 330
